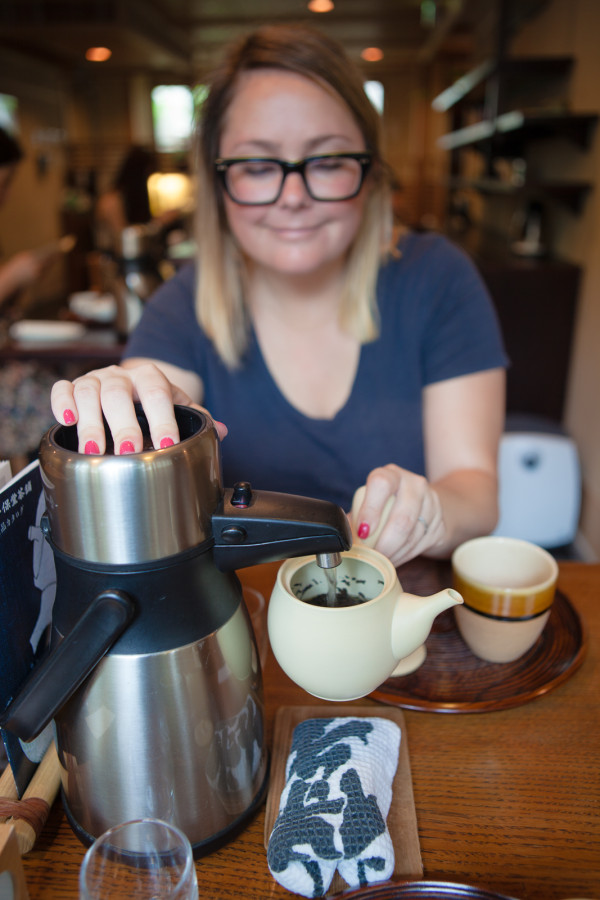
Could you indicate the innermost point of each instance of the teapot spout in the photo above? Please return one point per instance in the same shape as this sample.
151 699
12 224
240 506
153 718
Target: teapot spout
413 618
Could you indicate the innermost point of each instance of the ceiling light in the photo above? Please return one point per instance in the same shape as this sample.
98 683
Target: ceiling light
372 54
320 6
98 54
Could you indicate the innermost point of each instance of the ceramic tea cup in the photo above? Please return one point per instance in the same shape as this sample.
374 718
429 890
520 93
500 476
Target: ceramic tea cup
508 587
342 652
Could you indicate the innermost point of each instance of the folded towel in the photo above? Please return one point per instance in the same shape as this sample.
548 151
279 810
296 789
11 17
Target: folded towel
334 806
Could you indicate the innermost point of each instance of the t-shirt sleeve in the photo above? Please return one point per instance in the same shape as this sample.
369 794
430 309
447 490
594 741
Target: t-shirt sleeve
461 332
168 328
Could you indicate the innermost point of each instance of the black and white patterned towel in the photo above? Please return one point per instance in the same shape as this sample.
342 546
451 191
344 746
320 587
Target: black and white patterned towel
334 806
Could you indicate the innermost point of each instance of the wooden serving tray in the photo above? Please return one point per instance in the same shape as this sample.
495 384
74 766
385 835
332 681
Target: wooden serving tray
453 680
402 817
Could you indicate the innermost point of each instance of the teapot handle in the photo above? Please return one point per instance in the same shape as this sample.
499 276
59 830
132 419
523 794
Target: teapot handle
58 676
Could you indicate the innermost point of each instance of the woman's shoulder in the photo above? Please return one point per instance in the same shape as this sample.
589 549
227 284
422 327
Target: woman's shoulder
425 265
181 287
168 329
428 273
416 247
172 305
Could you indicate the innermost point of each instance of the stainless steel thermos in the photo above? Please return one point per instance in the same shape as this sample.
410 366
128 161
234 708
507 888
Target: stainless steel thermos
153 678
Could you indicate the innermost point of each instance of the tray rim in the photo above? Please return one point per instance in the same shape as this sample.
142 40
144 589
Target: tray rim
449 890
417 704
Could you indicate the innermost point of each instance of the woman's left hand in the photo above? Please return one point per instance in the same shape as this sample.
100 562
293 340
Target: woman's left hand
399 513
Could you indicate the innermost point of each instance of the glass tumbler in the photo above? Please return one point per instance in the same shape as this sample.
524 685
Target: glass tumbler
145 859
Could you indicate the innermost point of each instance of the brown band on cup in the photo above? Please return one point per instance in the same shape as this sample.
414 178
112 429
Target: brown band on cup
487 615
511 603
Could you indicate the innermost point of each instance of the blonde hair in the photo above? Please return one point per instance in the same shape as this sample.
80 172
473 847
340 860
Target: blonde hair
220 304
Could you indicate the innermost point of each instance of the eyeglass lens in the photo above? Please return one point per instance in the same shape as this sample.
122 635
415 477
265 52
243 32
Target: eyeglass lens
326 178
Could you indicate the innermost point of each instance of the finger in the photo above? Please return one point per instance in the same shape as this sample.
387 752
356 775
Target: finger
116 396
220 427
182 399
90 425
381 485
404 532
158 396
427 532
64 408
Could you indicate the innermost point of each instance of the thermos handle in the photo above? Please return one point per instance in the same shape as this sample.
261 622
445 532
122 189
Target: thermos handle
57 677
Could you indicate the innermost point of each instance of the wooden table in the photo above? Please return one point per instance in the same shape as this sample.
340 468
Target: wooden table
506 800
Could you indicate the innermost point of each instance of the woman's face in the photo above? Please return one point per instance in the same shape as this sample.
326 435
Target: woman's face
275 113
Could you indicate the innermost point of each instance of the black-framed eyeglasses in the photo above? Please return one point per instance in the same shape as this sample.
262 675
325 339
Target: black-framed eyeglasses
258 181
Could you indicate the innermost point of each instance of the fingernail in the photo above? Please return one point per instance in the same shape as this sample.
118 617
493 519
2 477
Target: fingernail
68 416
92 448
166 442
126 447
363 530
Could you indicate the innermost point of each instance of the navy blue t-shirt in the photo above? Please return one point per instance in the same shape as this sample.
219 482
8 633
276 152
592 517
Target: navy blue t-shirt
437 322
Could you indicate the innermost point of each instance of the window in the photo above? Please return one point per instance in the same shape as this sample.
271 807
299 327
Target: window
172 116
374 91
8 113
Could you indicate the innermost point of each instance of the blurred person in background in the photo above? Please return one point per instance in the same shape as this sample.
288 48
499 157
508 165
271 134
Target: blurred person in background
24 404
128 201
22 269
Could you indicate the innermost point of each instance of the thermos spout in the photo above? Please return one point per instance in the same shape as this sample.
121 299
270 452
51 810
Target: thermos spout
328 560
270 526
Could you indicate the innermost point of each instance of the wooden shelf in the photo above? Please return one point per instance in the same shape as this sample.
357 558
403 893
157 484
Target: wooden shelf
510 69
507 134
536 303
571 194
499 109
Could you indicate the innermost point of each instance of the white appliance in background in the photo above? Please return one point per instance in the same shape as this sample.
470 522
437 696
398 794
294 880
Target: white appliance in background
540 488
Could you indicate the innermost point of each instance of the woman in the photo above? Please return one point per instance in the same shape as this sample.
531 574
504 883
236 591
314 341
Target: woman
332 361
24 386
23 268
127 203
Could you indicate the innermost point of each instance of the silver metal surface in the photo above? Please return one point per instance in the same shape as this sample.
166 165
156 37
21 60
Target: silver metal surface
328 560
176 735
134 508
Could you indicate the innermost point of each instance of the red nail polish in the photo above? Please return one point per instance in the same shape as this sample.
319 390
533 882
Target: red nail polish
363 530
126 447
68 416
166 442
92 448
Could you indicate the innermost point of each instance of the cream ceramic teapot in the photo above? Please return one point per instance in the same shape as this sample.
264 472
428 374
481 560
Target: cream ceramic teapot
342 652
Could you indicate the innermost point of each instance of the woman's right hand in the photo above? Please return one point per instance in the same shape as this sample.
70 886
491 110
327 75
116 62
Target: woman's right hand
112 392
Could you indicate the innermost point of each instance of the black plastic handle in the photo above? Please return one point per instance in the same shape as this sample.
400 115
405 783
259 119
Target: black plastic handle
58 676
253 527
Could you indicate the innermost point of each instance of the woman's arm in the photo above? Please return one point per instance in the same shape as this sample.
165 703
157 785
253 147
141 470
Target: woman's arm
21 270
463 423
463 419
112 391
